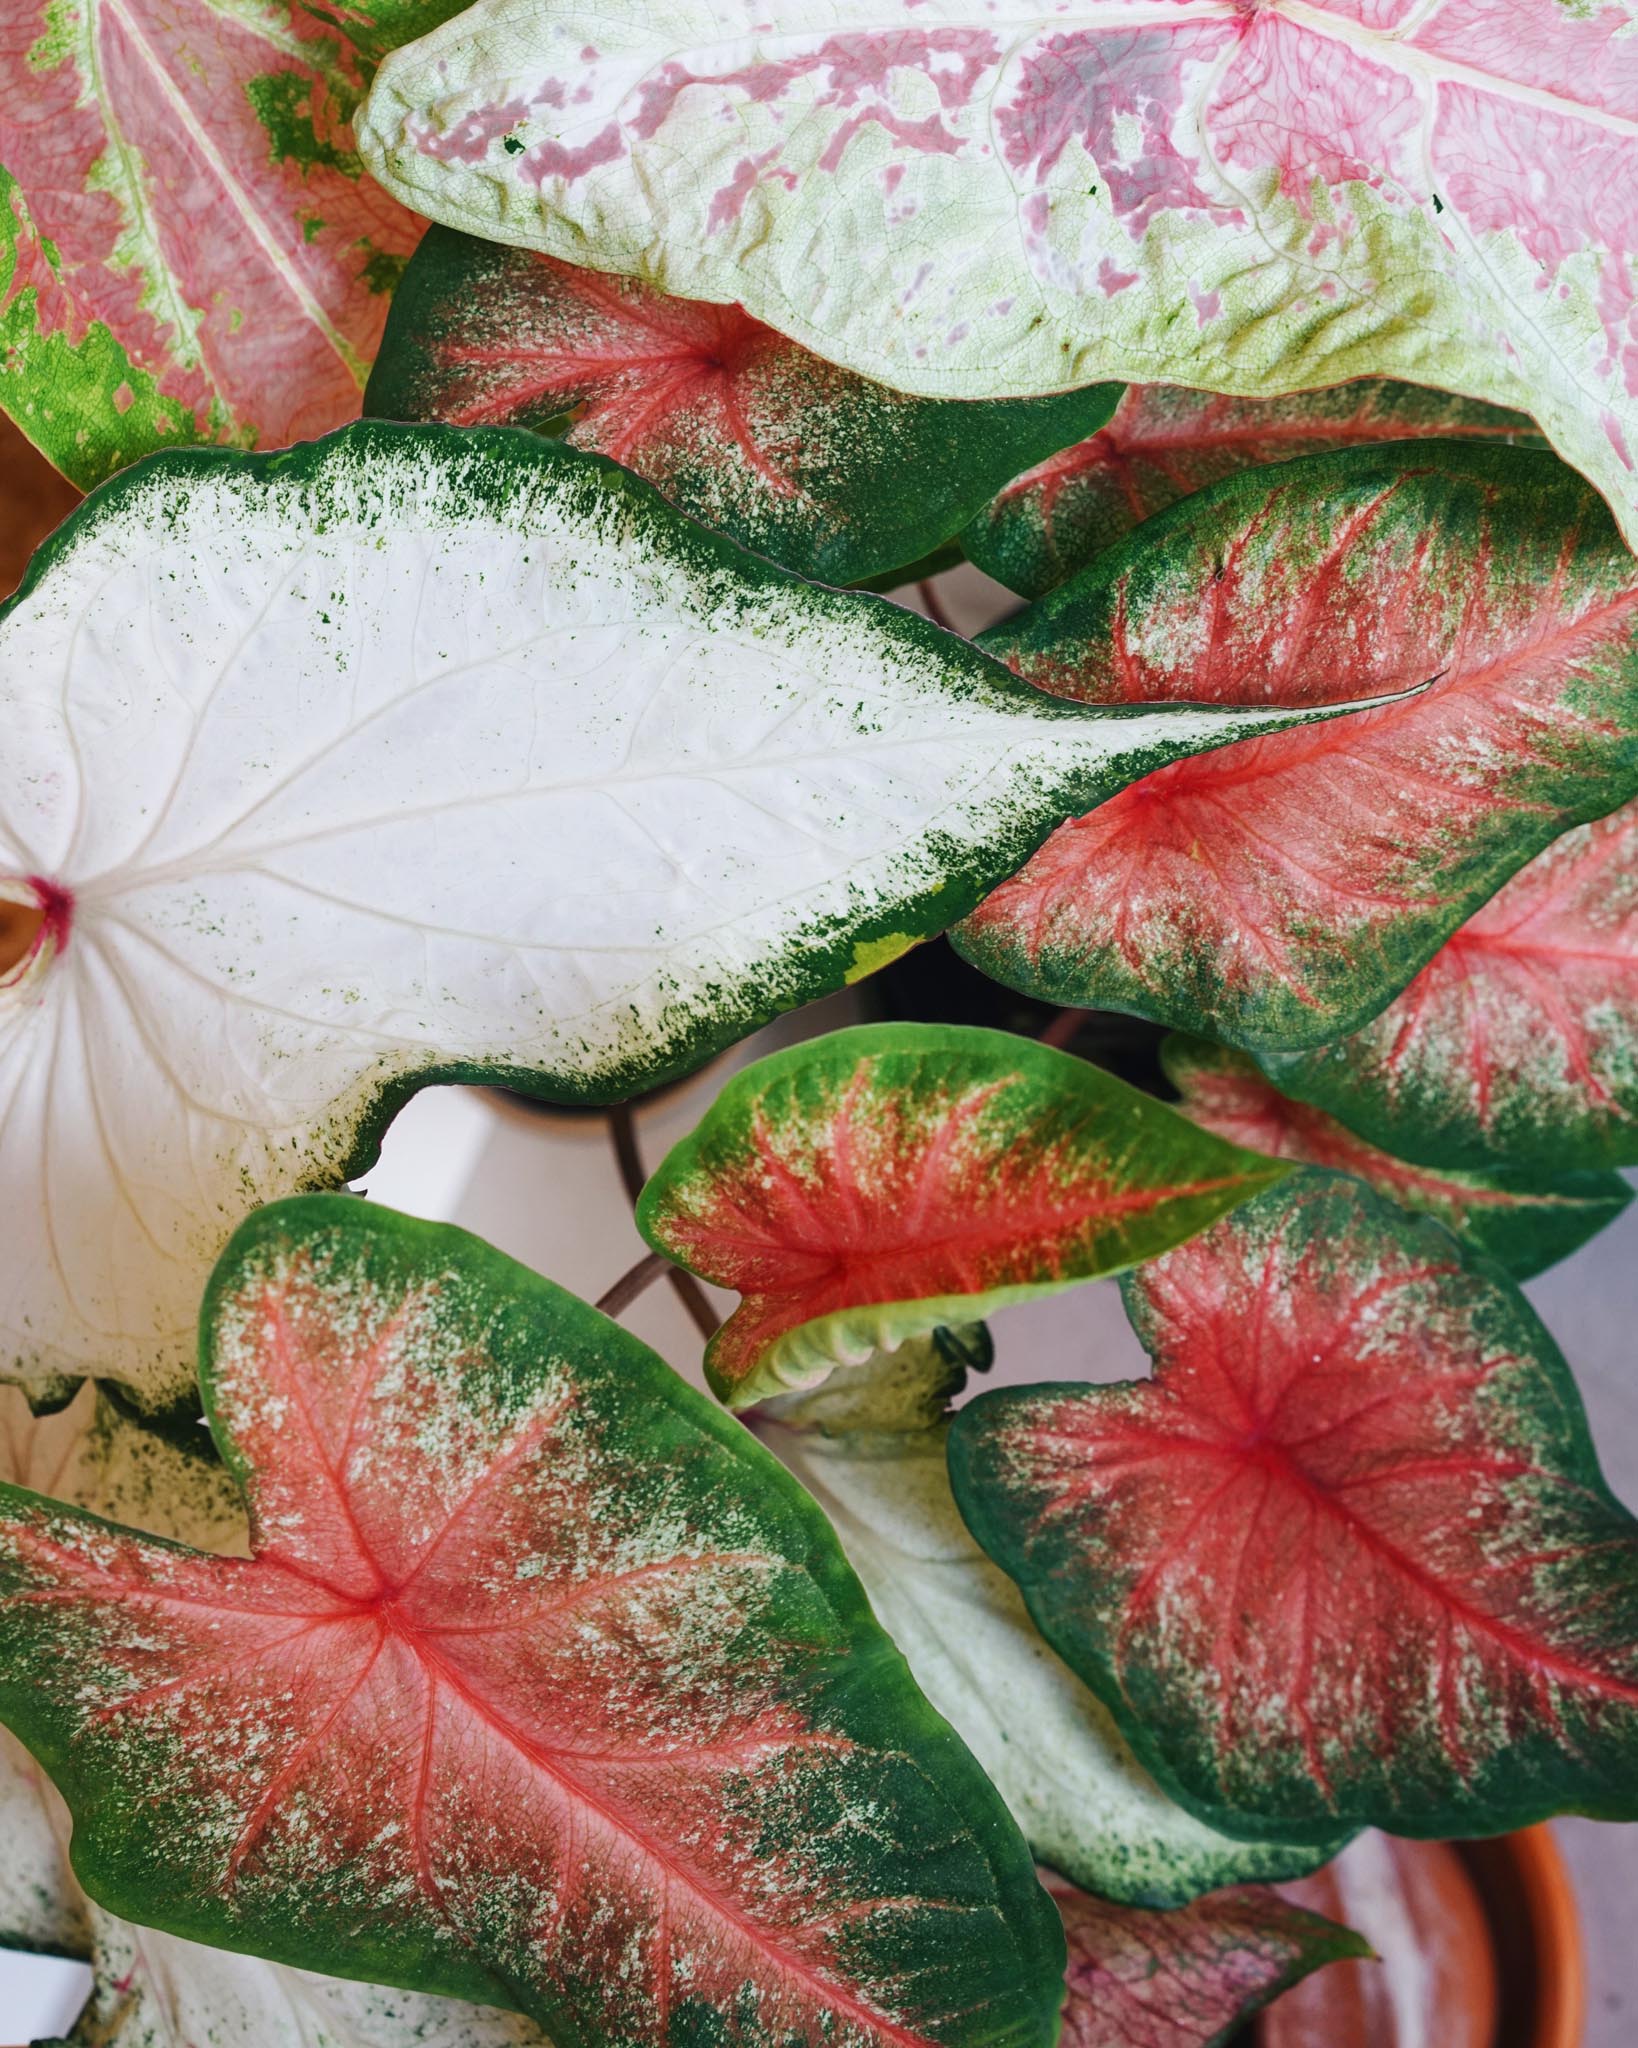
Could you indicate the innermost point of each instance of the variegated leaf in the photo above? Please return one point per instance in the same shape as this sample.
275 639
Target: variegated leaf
190 249
971 198
1280 893
1524 1220
544 1685
1517 1045
812 465
866 1187
1348 1558
418 755
1164 443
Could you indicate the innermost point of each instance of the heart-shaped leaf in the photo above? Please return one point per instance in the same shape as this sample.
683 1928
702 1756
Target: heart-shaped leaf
425 755
1048 1744
1186 1980
1523 1220
1517 1044
1164 443
986 201
190 249
871 1185
544 1685
1280 894
813 465
1348 1558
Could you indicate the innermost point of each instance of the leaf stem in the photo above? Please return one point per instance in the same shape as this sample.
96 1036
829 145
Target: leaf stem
628 1157
615 1300
928 593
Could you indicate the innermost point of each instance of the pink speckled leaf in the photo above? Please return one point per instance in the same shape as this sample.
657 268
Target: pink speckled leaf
876 1184
1517 1044
1279 893
190 249
1526 1220
1348 1557
544 1685
981 198
1185 1979
1164 443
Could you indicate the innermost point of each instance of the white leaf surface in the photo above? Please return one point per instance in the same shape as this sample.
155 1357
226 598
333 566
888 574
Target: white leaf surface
417 755
986 198
1084 1802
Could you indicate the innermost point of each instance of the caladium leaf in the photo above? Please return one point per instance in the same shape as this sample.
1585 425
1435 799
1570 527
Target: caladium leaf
1348 1557
190 249
41 1908
421 755
1280 894
543 1686
978 201
1526 1221
814 465
866 1187
1164 443
1518 1042
1047 1743
1141 1979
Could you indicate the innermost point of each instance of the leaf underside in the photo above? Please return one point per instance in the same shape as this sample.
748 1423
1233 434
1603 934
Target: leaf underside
1282 892
1524 1220
421 754
866 1187
1164 443
544 1685
1348 1557
972 200
190 249
1517 1045
809 464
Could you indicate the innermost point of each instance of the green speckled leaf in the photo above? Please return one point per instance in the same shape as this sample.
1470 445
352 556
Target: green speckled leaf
420 754
812 465
1280 893
869 1186
1348 1558
1517 1045
543 1684
1047 1743
1164 443
1524 1220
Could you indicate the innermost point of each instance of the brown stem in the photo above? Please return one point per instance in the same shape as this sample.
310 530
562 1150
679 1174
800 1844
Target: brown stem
928 593
623 1131
614 1300
1060 1030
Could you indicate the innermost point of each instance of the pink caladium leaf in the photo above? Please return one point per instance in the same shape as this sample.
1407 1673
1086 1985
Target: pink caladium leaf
1525 1220
544 1685
190 249
876 1184
1186 1979
1164 443
979 199
1279 894
1517 1044
816 466
1348 1558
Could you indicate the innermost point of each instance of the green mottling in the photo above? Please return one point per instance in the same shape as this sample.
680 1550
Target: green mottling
383 272
283 103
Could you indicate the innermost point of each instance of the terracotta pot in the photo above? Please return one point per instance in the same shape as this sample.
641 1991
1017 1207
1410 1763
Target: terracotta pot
1479 1947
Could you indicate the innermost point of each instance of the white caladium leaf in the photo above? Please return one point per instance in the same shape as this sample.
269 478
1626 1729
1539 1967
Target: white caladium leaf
1085 1803
41 1907
419 754
984 198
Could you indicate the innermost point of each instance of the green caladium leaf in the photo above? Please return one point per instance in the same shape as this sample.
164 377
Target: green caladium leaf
1280 894
1164 443
813 465
1047 1743
1524 1220
190 249
1348 1558
543 1686
866 1187
982 200
1517 1044
1141 1979
424 755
